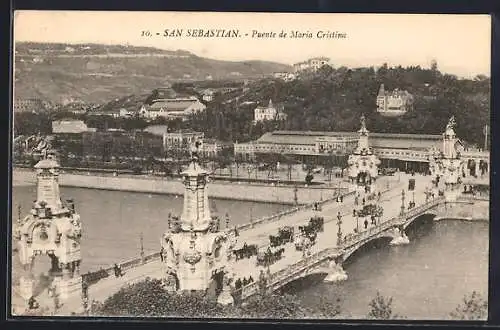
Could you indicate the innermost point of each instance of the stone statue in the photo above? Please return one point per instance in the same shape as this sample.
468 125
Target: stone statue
363 121
451 123
195 149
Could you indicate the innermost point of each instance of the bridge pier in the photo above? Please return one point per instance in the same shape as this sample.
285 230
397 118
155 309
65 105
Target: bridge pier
400 237
225 297
335 272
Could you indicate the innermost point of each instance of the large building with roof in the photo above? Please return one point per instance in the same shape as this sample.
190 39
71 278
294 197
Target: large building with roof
395 103
403 151
313 64
172 108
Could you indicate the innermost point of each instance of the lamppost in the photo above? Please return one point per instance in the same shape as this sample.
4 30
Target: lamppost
339 232
142 248
357 222
402 202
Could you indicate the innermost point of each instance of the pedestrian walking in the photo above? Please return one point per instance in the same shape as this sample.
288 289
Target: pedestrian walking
366 223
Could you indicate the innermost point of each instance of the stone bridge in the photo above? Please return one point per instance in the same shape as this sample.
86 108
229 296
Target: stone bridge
330 260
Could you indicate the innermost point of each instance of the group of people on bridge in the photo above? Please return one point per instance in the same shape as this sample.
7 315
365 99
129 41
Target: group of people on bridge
239 283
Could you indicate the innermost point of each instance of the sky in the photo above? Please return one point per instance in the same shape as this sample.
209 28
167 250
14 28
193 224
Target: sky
461 44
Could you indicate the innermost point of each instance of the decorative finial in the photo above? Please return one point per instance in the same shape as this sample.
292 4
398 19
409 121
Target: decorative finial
195 149
363 121
451 123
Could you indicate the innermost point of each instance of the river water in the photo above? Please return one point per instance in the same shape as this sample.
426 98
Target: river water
427 279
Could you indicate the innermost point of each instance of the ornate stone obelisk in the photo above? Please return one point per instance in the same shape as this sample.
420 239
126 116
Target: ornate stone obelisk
52 229
363 163
195 252
447 164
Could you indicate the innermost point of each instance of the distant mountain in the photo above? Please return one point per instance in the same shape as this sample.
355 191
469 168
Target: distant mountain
99 73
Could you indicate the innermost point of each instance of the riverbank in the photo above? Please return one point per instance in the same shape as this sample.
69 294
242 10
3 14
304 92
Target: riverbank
266 193
466 209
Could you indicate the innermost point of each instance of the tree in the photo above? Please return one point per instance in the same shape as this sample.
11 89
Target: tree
381 308
473 307
149 298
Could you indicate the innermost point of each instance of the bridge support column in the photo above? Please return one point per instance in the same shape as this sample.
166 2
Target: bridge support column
68 283
400 237
170 282
336 273
225 297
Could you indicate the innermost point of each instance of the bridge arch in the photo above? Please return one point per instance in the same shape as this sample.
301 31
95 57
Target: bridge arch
383 238
428 215
303 281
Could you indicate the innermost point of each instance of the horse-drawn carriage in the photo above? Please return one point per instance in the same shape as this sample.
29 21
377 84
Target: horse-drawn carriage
245 251
317 223
285 235
269 257
367 210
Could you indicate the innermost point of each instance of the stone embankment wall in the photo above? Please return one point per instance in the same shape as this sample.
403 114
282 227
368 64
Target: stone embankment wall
465 208
220 190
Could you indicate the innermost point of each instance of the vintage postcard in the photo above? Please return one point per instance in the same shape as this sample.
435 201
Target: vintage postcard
250 165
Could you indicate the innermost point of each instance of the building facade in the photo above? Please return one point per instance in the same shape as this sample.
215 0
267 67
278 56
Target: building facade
269 112
286 76
406 152
395 103
313 64
300 146
172 108
31 105
69 126
181 139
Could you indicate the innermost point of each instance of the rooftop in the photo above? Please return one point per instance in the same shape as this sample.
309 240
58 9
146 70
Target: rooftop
377 140
172 104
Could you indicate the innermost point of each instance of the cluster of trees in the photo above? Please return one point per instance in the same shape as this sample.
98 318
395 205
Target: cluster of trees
334 99
150 299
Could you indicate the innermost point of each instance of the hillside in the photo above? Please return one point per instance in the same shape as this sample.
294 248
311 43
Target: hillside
100 73
334 99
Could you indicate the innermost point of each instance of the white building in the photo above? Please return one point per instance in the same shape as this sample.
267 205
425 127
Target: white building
395 103
313 64
71 126
208 95
172 108
286 76
269 112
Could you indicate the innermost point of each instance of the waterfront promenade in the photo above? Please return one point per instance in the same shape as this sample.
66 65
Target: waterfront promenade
242 191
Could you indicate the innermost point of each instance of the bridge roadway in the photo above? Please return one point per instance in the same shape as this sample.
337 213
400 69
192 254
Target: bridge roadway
390 201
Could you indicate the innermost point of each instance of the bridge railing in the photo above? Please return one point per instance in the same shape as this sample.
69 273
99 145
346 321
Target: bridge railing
282 214
473 198
283 275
